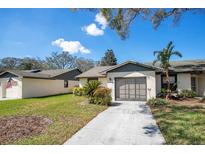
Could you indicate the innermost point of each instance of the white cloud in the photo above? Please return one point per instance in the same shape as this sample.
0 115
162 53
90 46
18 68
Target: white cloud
99 18
93 30
70 46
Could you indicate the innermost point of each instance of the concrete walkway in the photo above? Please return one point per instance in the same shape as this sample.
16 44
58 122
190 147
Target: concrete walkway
123 123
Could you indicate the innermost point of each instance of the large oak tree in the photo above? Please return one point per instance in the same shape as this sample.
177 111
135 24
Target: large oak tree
121 19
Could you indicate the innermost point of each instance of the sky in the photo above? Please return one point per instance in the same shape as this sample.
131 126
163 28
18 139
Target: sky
39 32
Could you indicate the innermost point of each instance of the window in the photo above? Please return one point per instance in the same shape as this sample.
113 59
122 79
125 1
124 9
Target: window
193 83
65 84
173 82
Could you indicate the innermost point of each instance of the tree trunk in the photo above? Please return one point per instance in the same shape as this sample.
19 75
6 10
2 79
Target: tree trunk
168 85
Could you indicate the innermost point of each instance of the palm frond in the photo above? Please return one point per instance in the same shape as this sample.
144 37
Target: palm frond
157 52
177 53
169 45
171 48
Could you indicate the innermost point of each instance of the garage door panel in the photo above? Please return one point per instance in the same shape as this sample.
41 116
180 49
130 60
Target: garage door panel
142 86
122 87
132 96
142 92
131 89
122 96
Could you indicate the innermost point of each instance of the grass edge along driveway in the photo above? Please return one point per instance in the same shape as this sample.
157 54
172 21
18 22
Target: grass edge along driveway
67 112
181 124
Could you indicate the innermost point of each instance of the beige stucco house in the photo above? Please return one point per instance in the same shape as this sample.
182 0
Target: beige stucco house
37 83
133 81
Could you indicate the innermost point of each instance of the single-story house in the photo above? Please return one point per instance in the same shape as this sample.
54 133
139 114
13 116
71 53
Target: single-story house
37 83
134 81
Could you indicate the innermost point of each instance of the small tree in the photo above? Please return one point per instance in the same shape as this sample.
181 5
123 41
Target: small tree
109 59
163 57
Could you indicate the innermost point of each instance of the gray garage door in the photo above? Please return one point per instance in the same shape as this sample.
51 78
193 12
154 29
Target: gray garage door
131 89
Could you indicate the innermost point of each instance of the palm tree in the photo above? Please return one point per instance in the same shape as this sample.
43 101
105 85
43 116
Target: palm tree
163 57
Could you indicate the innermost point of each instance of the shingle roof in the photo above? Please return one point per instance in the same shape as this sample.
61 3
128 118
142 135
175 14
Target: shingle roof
55 72
100 71
186 65
47 74
95 72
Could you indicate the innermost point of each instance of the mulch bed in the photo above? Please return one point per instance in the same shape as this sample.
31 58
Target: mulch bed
14 128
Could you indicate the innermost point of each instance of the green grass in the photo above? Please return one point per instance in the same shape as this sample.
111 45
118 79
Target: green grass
181 124
66 112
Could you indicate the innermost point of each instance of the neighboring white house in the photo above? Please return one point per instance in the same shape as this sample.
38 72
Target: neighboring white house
36 83
133 81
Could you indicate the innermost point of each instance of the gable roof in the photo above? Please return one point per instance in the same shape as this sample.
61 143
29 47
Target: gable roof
131 62
43 74
100 71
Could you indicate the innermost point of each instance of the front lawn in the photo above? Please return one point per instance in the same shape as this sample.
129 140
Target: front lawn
181 123
68 114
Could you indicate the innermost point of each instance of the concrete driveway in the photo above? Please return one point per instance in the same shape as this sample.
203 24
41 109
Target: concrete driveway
128 123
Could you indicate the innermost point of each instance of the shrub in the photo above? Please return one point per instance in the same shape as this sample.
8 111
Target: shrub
101 96
157 101
162 93
77 91
187 94
90 87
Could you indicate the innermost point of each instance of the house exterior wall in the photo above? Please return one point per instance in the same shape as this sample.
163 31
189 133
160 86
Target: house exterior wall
14 92
103 81
150 79
201 85
1 90
42 87
183 81
82 82
158 83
